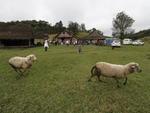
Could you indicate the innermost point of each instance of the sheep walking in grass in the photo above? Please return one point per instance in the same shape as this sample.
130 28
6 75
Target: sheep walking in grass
21 64
114 71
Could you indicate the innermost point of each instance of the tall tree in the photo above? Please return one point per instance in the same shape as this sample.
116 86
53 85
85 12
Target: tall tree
83 29
40 27
59 27
121 25
73 27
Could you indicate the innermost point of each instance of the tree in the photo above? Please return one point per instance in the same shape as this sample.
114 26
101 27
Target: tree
73 27
121 25
40 27
94 29
59 27
83 29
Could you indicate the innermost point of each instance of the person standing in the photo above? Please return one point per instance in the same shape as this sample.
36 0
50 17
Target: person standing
67 42
46 46
79 48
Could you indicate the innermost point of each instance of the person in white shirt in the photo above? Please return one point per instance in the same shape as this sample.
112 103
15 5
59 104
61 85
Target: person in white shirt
67 42
46 46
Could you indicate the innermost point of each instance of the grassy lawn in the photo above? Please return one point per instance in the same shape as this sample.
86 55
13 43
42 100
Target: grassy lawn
57 82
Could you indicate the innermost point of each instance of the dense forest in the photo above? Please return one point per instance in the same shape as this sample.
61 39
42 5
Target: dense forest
43 27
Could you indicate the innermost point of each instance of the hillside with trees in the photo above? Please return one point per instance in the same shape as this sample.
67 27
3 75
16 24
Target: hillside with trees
140 34
41 27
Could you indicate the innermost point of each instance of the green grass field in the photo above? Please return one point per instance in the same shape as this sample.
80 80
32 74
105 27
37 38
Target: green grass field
57 82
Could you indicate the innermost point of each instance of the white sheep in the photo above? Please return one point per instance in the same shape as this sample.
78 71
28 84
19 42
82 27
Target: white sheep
114 71
21 64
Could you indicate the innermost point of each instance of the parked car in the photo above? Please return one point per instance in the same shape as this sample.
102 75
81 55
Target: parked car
137 42
127 41
116 43
108 41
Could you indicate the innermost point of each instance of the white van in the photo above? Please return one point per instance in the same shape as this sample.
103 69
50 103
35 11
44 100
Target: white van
127 41
137 42
116 43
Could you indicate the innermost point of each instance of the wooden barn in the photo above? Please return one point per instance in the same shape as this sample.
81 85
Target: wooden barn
65 37
20 36
94 37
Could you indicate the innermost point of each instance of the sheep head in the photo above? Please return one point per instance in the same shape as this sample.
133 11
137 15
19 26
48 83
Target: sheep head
32 57
134 67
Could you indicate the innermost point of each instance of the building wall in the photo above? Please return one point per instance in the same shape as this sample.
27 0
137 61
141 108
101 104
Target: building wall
16 42
38 41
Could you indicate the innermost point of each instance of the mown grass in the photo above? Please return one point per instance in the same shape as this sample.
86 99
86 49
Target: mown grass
57 82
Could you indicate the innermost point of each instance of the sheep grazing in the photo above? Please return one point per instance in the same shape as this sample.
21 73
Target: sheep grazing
114 71
21 64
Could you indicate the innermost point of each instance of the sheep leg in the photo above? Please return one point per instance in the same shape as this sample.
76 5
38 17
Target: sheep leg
98 76
125 81
23 71
14 68
98 73
117 81
20 72
17 70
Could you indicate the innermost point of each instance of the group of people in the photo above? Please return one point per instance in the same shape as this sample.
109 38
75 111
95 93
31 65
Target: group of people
46 46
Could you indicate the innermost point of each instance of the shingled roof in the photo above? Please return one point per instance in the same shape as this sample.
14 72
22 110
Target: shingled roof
95 35
13 32
64 35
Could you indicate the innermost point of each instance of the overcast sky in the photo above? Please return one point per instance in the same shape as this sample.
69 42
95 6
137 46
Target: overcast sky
93 13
